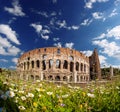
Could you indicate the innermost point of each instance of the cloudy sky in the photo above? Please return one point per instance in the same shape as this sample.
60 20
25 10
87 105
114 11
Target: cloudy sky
78 24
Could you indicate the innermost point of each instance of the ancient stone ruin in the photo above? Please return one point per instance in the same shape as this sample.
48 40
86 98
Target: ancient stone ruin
58 64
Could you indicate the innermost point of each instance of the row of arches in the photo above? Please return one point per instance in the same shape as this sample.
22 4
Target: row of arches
58 64
57 78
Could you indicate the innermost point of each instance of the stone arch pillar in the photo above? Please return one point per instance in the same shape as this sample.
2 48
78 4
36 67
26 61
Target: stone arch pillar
68 65
41 75
75 77
47 64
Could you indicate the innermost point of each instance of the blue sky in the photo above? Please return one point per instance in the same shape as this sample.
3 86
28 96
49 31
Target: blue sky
78 24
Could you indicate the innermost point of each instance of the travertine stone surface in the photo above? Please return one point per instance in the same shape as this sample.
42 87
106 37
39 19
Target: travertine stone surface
54 64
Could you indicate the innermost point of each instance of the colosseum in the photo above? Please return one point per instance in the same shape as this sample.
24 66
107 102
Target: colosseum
58 64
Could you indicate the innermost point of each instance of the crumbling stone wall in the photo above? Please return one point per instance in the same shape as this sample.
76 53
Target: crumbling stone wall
95 70
54 64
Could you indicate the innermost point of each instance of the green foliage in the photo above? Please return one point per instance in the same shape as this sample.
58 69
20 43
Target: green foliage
18 95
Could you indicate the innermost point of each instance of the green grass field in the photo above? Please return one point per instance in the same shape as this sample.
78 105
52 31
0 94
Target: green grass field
21 96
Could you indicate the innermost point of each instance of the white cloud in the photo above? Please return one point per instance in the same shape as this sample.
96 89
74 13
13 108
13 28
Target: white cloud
116 2
53 13
75 27
11 20
98 15
62 24
87 53
59 44
102 60
3 60
116 66
53 21
15 60
4 42
2 51
69 45
16 10
12 67
46 37
45 14
90 3
46 31
101 36
41 31
37 27
109 48
114 32
56 39
9 33
13 51
6 48
86 22
54 1
58 24
114 13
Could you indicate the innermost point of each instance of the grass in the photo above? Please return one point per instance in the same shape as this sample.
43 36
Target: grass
39 96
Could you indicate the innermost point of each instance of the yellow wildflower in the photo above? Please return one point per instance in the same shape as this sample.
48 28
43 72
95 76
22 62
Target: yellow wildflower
34 104
81 106
83 93
44 108
60 100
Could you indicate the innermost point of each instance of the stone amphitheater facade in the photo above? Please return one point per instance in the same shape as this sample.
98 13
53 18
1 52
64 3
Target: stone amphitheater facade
54 64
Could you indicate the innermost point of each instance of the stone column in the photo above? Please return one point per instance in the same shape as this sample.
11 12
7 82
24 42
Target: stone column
26 77
111 71
68 66
75 77
30 66
41 76
68 78
47 64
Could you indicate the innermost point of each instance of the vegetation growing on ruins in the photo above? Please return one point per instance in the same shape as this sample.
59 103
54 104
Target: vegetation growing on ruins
18 95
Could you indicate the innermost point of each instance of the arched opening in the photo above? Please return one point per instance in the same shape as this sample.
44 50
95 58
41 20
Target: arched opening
38 63
77 66
57 78
24 65
50 77
44 65
45 49
65 65
28 58
37 77
24 77
84 67
64 78
81 67
28 64
44 56
50 63
32 63
81 78
71 51
58 63
58 51
21 65
31 77
71 66
71 58
71 78
77 78
44 77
